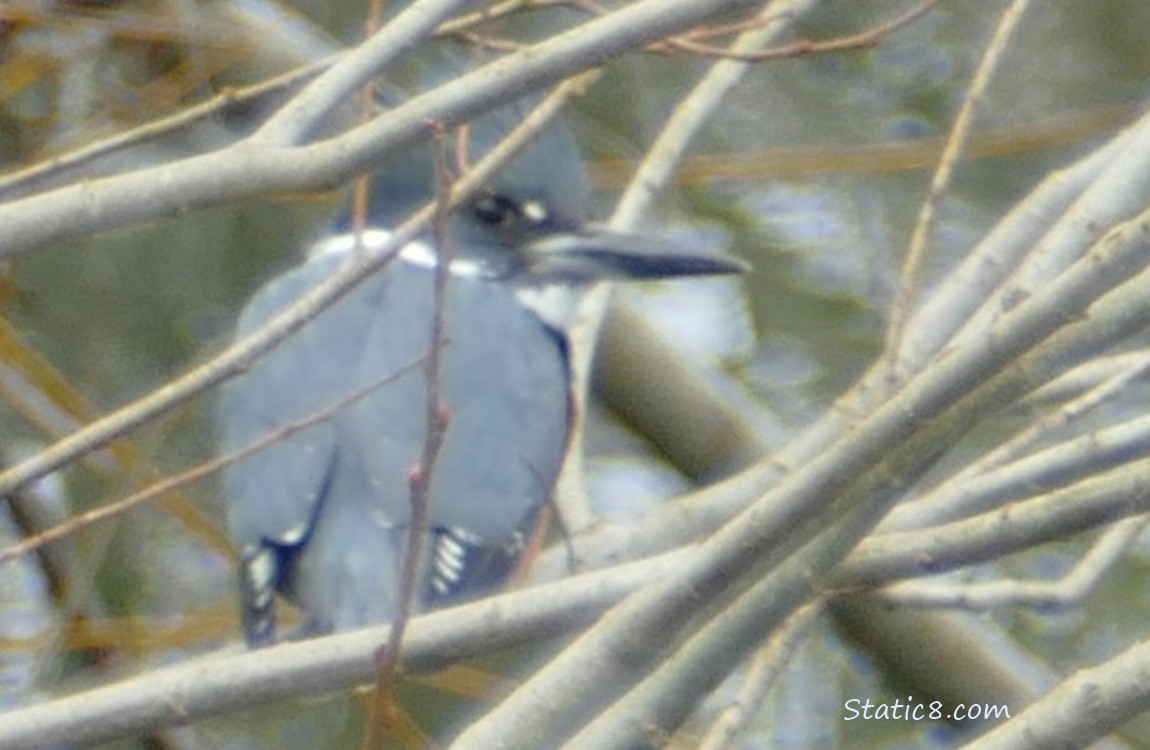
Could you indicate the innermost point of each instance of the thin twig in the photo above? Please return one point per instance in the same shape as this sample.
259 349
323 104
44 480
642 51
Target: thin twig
198 472
384 716
862 40
382 719
912 266
693 112
1096 501
498 12
121 24
47 401
1067 591
1073 410
24 178
295 120
765 668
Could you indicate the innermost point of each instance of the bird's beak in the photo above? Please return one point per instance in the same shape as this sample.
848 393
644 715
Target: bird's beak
592 252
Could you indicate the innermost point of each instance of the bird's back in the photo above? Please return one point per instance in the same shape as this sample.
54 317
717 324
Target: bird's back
333 500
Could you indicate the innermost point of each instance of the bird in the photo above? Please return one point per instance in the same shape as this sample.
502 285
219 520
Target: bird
323 516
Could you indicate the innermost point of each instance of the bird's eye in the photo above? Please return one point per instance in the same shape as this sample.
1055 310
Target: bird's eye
495 210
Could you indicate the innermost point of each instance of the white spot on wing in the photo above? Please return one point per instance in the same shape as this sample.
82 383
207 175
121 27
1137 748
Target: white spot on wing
260 568
450 561
294 535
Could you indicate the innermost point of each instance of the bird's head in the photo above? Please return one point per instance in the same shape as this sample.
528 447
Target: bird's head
531 223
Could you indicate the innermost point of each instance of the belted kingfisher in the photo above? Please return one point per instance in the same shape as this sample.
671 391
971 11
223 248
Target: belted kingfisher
322 516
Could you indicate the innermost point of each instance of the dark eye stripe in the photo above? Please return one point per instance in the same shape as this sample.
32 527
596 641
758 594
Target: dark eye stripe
495 209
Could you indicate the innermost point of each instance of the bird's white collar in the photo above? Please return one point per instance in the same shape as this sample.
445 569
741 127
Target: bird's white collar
416 253
556 303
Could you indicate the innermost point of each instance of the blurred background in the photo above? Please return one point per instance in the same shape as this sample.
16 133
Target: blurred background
813 172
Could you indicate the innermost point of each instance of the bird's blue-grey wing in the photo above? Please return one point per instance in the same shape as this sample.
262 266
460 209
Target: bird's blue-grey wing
504 386
348 573
273 494
508 406
510 429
